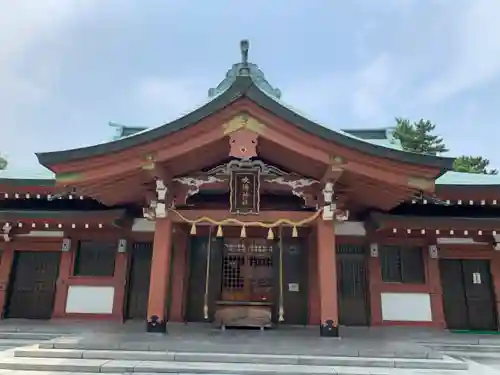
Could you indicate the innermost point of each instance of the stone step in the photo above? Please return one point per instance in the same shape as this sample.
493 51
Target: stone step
445 347
126 366
22 372
76 342
180 357
474 355
36 336
17 342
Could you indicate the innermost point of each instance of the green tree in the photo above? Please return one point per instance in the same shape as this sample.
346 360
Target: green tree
3 163
473 164
417 136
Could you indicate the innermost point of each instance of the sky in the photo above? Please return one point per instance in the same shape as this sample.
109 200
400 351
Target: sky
69 67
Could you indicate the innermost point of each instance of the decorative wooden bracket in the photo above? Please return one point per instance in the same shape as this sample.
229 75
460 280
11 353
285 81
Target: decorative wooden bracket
158 206
161 193
330 210
6 229
243 144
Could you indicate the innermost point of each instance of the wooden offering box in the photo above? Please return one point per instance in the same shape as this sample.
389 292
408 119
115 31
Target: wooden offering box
243 314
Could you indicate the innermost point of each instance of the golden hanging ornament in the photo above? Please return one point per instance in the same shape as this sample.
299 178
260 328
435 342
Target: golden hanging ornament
219 231
193 229
243 233
295 232
270 234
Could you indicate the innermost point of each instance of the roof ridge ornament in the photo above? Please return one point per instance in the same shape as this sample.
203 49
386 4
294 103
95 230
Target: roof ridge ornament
244 47
245 69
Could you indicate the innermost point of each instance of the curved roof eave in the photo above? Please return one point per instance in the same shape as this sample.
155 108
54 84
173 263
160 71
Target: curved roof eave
244 86
216 103
283 111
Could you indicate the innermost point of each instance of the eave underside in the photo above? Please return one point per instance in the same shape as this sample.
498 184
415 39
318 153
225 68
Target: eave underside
384 222
367 182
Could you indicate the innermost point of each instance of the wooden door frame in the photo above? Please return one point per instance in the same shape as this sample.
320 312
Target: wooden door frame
480 257
126 300
366 282
14 264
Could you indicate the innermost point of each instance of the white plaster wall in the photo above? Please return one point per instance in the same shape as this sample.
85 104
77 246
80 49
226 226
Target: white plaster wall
143 225
43 233
406 307
350 228
90 299
457 240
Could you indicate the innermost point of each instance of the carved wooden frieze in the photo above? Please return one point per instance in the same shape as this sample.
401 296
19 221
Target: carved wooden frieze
192 185
299 186
265 169
270 178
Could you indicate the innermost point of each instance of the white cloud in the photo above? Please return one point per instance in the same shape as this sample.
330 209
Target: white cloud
476 52
165 99
374 85
26 75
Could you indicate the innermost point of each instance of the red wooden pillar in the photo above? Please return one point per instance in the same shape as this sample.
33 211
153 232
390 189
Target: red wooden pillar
65 272
435 289
119 281
160 268
495 273
327 278
375 284
313 292
178 274
5 270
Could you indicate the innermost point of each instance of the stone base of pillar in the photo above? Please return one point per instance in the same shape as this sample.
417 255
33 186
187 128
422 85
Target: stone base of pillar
156 325
327 329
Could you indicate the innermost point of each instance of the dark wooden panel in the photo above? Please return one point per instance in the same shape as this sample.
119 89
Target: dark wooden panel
412 265
454 302
95 258
400 264
481 308
215 280
196 285
138 280
294 276
33 285
390 263
198 252
352 285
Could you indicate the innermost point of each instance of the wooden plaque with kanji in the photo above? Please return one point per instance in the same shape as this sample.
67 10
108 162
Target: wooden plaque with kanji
245 194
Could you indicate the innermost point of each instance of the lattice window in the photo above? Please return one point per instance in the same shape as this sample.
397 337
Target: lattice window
95 258
402 264
247 271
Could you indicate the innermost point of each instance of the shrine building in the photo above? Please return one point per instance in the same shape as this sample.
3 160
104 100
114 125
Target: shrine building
245 212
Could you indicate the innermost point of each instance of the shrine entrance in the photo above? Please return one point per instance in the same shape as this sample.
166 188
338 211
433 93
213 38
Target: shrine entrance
247 282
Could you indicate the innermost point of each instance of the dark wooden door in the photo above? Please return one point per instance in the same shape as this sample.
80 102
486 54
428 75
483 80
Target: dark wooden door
138 280
294 282
454 302
468 297
198 254
352 285
32 285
